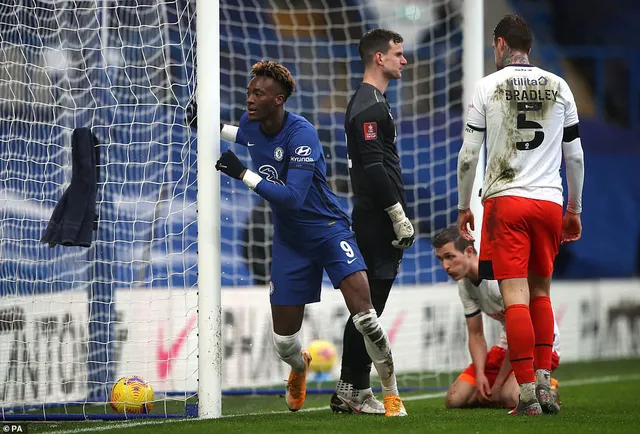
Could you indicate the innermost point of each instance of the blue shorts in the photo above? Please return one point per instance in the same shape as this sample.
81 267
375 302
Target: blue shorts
296 271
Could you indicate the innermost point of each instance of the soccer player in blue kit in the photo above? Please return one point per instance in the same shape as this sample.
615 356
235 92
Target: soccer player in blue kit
311 231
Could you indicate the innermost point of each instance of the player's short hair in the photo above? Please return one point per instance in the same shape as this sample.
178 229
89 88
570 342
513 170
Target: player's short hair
376 40
515 31
452 235
280 73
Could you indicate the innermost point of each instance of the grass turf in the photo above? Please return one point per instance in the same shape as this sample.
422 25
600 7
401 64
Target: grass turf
597 397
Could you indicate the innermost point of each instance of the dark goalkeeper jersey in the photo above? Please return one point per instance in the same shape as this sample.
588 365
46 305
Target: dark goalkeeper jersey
371 141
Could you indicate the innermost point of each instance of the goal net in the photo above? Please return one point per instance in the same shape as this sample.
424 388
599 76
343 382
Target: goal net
73 320
317 41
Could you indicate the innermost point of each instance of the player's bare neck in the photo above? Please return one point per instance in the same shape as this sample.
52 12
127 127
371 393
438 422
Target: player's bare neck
473 274
512 57
376 80
273 124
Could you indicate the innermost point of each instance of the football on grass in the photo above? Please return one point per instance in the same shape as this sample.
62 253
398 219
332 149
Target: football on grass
132 395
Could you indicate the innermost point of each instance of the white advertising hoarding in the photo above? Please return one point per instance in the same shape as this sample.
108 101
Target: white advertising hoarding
425 324
43 339
43 348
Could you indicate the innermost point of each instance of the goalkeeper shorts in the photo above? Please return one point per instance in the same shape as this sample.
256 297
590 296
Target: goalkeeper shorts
374 235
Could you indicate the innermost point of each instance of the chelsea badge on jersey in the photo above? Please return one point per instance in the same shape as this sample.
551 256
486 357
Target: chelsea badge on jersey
278 154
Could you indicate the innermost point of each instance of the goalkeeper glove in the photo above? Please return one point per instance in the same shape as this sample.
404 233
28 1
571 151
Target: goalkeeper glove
229 164
401 226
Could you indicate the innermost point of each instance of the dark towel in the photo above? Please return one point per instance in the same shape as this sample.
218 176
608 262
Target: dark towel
72 221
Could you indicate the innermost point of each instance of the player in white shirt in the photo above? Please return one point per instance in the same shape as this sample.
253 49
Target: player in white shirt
487 381
530 119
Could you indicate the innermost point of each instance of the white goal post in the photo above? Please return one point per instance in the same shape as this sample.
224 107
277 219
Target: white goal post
209 296
473 48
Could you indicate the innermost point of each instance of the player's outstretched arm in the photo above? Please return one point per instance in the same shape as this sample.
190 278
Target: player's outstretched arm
478 351
468 159
574 160
233 134
503 374
229 133
475 331
290 196
467 163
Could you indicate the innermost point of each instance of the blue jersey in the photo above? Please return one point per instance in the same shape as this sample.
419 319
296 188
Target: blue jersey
293 167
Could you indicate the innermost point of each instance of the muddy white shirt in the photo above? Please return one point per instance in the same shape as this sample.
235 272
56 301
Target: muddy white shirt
486 298
524 110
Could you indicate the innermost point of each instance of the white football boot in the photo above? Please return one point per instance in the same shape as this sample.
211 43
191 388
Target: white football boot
346 399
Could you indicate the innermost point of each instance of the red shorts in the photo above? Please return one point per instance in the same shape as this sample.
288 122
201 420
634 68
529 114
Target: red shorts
519 235
495 359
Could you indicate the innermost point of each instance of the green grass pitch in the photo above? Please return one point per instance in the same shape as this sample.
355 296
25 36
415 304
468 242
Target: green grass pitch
599 397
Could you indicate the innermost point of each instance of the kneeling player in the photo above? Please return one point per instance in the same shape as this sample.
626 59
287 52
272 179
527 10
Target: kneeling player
487 381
